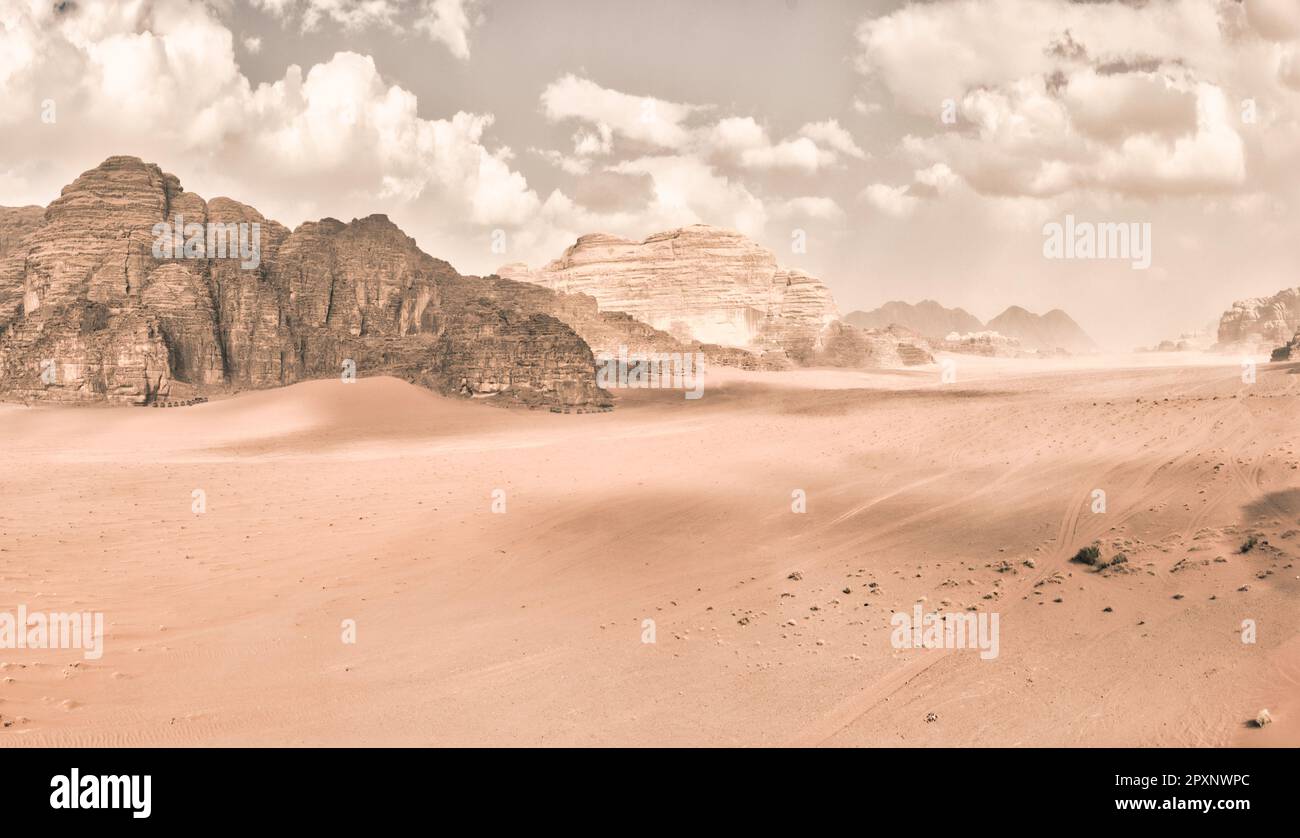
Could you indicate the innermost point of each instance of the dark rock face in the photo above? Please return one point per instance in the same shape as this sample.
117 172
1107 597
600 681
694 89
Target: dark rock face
88 313
1289 351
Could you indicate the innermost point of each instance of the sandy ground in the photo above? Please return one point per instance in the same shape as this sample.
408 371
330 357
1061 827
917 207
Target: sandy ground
372 502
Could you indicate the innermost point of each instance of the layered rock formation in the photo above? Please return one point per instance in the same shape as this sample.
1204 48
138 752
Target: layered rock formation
842 345
1047 333
927 318
698 284
87 312
16 223
1262 320
609 332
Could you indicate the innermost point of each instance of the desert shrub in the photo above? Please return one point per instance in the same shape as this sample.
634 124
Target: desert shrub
1249 544
1088 555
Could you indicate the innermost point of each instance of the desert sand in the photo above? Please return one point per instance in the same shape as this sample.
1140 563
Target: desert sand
373 502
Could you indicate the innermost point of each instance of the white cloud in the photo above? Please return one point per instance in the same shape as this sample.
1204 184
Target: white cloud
348 14
570 164
645 119
332 139
677 127
1275 19
1063 97
830 135
447 22
598 141
891 200
689 191
818 208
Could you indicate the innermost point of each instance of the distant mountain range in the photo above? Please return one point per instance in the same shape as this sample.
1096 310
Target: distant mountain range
927 318
1041 332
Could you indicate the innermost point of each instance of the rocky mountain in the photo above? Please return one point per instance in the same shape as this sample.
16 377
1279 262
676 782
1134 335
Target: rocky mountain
1048 332
927 318
698 284
89 313
1270 321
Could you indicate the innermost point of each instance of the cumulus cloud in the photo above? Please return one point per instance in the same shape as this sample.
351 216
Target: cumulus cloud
831 135
1058 97
818 208
645 119
447 22
681 128
891 200
161 82
1275 19
348 14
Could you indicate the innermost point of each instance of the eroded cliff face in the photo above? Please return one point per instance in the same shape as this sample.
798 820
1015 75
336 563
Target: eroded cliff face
1269 321
16 223
893 347
89 313
698 284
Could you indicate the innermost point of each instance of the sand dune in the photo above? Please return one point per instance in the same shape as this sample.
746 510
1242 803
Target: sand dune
372 502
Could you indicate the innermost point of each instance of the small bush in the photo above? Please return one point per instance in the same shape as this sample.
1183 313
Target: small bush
1249 544
1088 555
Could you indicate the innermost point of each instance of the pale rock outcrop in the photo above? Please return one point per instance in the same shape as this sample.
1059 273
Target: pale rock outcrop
1267 321
842 345
987 343
698 284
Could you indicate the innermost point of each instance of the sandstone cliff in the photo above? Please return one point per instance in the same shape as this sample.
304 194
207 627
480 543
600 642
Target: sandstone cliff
842 345
698 284
1262 320
16 223
88 313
